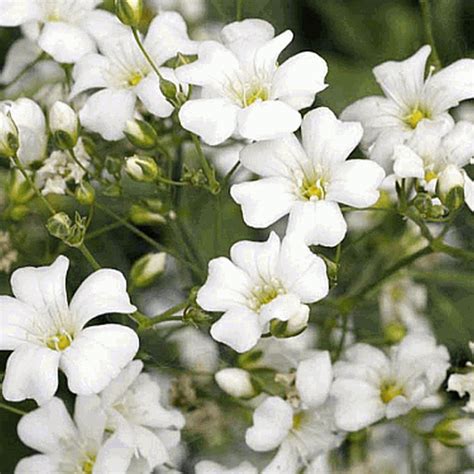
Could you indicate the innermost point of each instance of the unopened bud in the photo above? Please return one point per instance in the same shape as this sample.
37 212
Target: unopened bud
129 12
235 382
19 191
450 187
423 204
141 168
395 332
64 125
141 134
147 269
85 193
9 141
168 89
196 316
59 225
17 213
455 432
141 215
294 326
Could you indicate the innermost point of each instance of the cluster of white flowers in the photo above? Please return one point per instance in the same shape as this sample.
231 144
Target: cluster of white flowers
116 84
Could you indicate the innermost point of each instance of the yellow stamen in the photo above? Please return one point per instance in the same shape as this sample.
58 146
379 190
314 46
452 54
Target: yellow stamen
429 175
415 117
59 342
135 79
297 420
314 189
88 465
389 391
256 94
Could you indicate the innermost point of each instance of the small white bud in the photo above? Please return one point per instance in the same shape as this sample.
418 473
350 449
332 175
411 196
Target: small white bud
450 187
141 134
141 168
235 382
455 432
129 12
9 141
64 125
147 269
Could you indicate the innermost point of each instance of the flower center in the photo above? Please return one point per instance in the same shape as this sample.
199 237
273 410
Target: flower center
298 420
389 391
135 79
60 341
313 190
264 294
430 175
88 465
416 117
254 94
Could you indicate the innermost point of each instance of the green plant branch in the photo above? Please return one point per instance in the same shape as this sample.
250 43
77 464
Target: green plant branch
426 14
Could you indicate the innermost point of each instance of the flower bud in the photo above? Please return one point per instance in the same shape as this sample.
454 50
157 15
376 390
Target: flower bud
455 432
294 326
19 191
450 187
141 134
9 141
141 168
17 213
395 332
147 269
64 125
59 225
85 193
129 12
235 382
141 215
168 89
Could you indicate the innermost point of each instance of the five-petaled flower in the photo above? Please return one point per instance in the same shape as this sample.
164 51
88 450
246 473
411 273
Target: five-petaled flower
45 333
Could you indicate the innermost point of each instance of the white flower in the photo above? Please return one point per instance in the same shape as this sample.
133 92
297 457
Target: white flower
235 382
78 446
308 180
192 10
62 118
209 467
31 125
262 281
369 386
244 92
410 100
59 169
122 74
45 333
300 430
65 24
9 139
136 417
464 384
433 154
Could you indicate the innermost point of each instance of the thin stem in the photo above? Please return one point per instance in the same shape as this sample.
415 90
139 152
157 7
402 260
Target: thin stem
239 9
453 251
427 16
171 182
103 230
214 185
150 61
11 409
76 160
32 185
229 175
89 257
168 315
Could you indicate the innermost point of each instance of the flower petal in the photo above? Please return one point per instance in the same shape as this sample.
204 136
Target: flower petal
37 463
258 259
284 308
226 286
209 467
150 446
356 183
267 119
266 56
148 91
299 79
264 201
286 460
272 421
327 140
96 356
43 288
90 418
407 164
89 73
317 223
113 456
214 120
65 42
31 372
46 428
283 156
17 12
21 54
102 292
459 144
314 379
238 328
15 319
301 271
106 112
469 192
121 383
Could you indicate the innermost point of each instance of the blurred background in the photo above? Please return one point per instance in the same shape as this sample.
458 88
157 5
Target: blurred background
353 36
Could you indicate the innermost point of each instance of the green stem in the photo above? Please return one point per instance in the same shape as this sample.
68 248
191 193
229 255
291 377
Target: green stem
150 61
171 182
453 251
103 230
168 315
214 185
89 257
11 409
229 175
239 9
32 185
427 16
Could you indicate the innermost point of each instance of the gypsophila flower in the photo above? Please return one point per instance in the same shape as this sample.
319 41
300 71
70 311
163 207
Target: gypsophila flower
136 417
59 169
8 254
46 333
122 74
63 26
464 383
209 467
263 281
369 386
71 446
244 91
303 427
308 180
409 101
